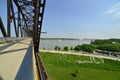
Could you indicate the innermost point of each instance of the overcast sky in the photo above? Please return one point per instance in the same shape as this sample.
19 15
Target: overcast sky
79 18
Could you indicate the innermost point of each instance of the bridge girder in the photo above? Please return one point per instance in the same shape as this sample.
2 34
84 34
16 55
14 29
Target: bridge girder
27 18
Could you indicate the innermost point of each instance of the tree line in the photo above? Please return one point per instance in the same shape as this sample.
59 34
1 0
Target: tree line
112 45
105 41
84 47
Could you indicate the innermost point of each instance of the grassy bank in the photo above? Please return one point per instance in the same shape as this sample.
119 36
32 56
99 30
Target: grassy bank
73 67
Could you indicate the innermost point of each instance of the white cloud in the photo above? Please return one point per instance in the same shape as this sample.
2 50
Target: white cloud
114 11
116 5
117 15
111 11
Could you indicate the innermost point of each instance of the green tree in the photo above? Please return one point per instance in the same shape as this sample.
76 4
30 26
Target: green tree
105 41
110 47
57 48
44 48
71 48
77 48
66 48
87 48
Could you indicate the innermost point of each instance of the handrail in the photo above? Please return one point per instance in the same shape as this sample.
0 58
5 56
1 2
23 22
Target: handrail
41 69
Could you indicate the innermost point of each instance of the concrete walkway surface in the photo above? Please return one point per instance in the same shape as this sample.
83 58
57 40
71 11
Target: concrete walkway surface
11 57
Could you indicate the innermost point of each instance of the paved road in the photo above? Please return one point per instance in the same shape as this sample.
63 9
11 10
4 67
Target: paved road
11 57
78 53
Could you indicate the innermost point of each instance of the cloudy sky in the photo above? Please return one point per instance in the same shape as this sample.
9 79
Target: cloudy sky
80 18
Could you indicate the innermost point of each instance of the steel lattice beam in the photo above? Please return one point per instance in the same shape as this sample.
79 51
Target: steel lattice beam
2 28
27 17
8 18
30 12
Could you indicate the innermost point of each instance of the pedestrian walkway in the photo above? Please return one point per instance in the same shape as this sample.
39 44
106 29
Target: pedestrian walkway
11 57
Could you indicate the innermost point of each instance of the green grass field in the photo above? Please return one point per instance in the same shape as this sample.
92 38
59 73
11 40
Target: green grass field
68 67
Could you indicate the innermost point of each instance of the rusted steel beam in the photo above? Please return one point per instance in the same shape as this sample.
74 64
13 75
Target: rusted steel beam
41 68
18 22
8 19
3 28
42 6
14 20
19 7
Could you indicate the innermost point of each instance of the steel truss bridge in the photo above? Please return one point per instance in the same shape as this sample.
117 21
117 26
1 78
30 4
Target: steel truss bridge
26 16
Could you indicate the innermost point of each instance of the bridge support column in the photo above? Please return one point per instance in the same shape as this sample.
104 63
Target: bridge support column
8 18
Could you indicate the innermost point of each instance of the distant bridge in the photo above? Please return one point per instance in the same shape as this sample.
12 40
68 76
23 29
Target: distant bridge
27 18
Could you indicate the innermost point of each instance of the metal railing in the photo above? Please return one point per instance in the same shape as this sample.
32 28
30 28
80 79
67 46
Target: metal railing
41 69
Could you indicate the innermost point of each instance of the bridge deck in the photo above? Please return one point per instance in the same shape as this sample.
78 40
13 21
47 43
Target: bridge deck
11 57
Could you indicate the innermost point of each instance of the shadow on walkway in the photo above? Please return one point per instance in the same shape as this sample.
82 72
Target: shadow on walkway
26 69
1 78
10 51
8 45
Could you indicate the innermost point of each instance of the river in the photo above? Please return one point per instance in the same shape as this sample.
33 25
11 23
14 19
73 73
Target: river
50 44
